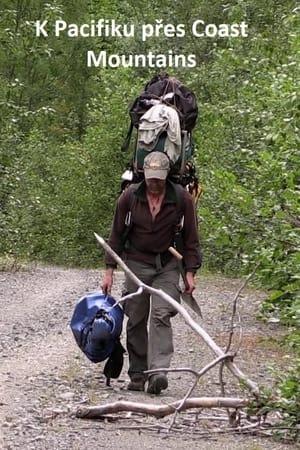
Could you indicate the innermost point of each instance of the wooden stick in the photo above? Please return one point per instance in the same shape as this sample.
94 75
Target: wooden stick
253 387
175 253
96 412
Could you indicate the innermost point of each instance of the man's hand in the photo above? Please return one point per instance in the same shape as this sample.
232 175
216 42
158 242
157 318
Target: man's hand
107 281
190 278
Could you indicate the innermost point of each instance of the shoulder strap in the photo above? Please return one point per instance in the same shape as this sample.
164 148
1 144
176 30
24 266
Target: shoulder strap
179 205
132 189
126 142
128 218
178 239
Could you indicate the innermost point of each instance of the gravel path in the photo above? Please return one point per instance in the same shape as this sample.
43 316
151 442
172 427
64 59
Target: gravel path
44 377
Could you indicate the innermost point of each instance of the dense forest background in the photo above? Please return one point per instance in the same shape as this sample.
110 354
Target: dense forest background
62 125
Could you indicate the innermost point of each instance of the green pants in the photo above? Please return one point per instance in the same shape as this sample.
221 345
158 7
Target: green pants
151 350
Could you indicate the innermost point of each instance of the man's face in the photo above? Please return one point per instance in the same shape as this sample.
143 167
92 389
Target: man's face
155 186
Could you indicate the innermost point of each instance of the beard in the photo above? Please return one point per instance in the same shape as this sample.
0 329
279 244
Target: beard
155 186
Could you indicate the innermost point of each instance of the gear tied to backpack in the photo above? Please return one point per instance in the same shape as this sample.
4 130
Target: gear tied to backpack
163 116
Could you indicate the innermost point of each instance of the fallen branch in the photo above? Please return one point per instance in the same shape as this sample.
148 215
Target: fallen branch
198 375
253 387
234 307
232 327
159 411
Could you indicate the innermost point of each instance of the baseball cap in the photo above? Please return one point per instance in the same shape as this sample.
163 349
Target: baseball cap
156 165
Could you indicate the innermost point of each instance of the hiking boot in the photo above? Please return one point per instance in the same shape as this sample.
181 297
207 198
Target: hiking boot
137 383
157 383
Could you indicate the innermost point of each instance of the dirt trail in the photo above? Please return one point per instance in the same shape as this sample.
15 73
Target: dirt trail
44 376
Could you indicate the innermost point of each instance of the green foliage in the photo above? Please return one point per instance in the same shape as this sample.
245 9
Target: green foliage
284 398
249 162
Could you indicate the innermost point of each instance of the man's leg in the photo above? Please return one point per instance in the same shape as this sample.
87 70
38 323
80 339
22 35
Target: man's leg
137 310
160 348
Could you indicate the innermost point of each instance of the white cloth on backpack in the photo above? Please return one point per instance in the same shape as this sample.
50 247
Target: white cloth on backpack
157 119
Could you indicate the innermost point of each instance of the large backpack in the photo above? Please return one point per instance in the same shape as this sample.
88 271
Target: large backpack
163 115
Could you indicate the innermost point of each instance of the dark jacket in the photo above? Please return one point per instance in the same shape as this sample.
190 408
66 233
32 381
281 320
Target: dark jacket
147 238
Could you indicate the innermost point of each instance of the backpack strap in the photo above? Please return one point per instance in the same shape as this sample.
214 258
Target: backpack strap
178 241
128 217
126 142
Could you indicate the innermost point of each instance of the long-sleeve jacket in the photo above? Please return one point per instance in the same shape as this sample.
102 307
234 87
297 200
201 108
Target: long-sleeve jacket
147 237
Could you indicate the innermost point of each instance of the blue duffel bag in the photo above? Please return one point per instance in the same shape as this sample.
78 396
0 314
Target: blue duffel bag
97 325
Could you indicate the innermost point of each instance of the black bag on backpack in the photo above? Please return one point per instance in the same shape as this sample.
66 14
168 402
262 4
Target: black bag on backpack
169 91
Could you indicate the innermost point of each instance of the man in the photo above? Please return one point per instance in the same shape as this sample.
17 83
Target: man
154 221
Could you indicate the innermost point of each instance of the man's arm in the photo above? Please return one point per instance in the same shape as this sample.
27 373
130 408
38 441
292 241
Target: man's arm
190 235
107 281
114 239
190 278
